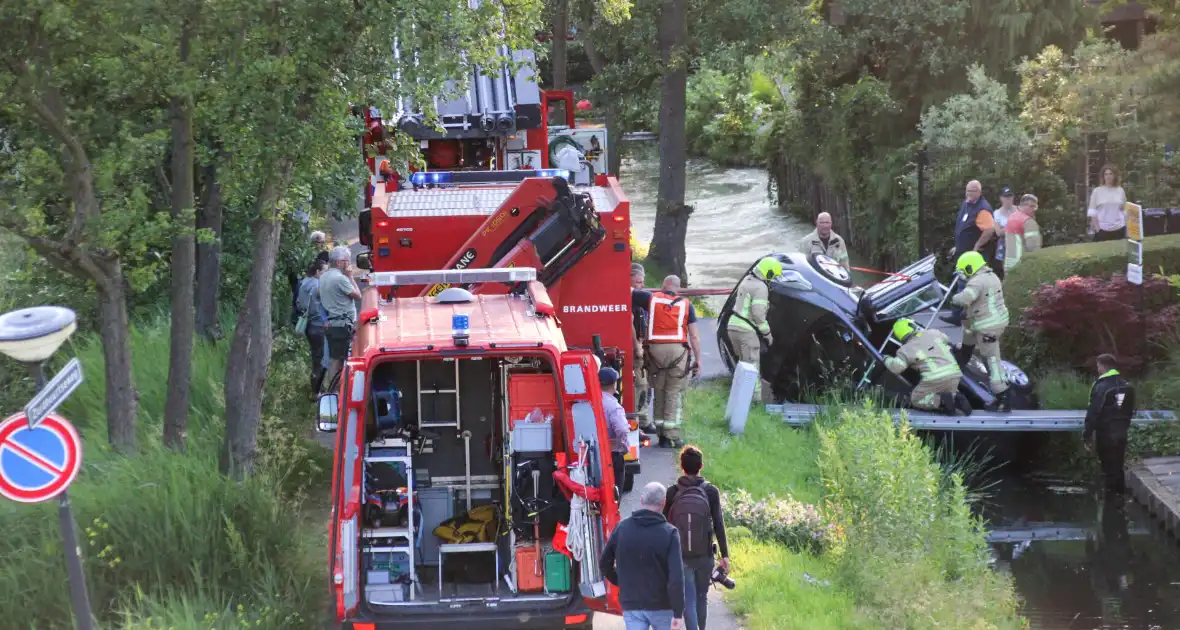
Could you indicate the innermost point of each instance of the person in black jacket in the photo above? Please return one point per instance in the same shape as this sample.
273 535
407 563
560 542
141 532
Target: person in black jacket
698 567
1112 405
642 558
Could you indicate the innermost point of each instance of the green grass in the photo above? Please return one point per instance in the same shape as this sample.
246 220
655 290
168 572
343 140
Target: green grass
167 539
910 556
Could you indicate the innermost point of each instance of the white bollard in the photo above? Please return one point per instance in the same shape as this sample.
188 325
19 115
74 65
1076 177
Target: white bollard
741 393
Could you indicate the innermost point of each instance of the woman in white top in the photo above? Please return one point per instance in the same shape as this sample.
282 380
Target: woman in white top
1107 220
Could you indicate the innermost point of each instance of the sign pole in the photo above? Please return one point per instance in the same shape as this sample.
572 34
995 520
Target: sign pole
79 598
1135 234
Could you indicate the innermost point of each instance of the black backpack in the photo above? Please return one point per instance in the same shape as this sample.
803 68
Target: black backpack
692 516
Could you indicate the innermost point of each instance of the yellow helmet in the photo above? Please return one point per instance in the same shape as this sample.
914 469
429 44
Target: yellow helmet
769 268
904 328
970 263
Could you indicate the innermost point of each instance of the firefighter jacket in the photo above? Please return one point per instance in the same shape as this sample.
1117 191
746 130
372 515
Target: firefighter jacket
928 352
667 319
749 311
836 248
1112 405
1022 235
983 298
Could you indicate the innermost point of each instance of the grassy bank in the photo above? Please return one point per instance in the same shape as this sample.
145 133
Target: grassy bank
169 542
909 554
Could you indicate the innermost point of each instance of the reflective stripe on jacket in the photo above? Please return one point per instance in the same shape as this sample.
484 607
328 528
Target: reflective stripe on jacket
667 322
983 298
751 304
928 352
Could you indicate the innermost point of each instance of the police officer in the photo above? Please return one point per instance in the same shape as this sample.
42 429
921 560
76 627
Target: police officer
823 240
1112 405
986 319
747 325
929 352
672 343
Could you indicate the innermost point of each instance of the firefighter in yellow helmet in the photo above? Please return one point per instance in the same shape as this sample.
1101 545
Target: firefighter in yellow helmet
747 326
985 321
929 352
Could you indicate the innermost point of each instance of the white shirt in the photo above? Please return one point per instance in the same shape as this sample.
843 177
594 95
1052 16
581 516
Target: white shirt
1106 203
1001 216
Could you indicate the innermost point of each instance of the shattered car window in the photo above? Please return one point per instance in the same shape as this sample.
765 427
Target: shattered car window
927 297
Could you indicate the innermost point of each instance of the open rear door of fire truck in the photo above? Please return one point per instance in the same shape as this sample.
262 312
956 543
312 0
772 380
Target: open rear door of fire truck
596 514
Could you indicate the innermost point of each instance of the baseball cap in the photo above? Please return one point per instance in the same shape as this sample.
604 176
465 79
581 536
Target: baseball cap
1007 192
608 376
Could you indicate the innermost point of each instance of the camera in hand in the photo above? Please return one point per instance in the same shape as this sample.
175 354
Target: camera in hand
720 577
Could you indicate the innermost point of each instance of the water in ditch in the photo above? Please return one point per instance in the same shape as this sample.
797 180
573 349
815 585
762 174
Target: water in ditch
1093 566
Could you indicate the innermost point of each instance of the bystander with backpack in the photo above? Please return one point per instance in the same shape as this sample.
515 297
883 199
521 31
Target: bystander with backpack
693 506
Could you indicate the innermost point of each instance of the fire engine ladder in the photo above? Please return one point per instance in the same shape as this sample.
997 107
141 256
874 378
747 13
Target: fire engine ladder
396 451
432 396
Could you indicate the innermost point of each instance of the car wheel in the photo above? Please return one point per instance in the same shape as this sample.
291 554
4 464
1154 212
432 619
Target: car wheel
831 269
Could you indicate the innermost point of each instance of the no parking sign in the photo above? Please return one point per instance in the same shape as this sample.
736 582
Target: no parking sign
37 464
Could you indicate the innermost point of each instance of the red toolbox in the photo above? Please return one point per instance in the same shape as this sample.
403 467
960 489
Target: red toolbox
530 576
527 392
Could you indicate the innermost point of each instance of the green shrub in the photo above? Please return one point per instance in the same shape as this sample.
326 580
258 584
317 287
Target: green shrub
166 532
1057 263
797 525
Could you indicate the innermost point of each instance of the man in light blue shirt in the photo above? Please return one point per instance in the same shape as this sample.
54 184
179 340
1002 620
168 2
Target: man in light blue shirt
617 427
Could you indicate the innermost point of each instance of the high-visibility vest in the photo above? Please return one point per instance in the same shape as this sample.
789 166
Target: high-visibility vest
667 321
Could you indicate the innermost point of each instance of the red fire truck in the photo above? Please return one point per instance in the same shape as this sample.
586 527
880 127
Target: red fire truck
472 480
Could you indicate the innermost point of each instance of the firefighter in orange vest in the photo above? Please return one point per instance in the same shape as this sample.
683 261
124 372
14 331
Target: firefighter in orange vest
673 352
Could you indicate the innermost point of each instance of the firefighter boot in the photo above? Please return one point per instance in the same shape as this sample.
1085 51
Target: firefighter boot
1003 404
962 404
946 403
963 355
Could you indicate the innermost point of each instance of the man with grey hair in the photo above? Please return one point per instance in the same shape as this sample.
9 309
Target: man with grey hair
823 240
340 297
642 558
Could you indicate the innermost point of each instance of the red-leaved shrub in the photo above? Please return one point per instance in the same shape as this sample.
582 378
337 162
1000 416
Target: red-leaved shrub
1079 318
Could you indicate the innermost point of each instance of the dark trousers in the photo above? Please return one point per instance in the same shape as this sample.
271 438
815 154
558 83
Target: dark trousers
315 342
620 467
997 267
1110 235
698 574
1111 444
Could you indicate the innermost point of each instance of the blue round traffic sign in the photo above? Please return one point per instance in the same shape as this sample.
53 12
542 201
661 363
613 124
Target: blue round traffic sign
37 464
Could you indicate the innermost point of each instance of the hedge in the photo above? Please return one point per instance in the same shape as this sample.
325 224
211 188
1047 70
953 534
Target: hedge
1161 254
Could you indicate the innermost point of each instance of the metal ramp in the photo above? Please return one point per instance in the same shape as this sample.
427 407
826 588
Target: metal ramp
1050 532
1016 421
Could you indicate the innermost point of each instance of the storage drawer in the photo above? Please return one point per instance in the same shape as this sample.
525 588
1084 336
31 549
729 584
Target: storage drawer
531 391
518 413
530 577
532 437
557 572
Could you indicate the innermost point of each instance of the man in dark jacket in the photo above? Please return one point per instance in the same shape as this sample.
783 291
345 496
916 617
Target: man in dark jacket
1112 405
698 566
975 229
642 558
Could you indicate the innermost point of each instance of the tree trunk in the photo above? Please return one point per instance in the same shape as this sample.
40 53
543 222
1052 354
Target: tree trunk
208 318
249 357
671 226
180 356
114 331
561 28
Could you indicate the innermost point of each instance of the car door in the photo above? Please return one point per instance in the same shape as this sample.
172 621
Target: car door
586 432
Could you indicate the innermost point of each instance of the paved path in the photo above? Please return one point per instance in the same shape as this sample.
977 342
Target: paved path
659 464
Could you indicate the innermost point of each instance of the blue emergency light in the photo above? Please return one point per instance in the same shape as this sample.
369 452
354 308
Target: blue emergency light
439 178
460 326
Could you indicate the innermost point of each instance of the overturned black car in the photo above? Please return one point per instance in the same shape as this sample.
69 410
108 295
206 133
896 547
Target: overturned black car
828 334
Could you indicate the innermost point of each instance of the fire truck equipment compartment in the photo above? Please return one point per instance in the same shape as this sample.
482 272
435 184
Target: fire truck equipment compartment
542 505
531 391
532 437
530 575
437 505
557 572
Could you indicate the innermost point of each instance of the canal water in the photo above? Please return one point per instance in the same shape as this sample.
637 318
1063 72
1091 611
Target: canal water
1094 566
